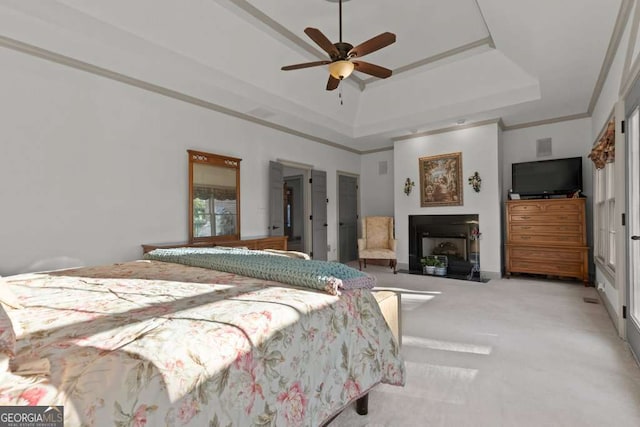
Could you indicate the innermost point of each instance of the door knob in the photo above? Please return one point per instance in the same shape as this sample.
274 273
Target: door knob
635 237
341 224
274 227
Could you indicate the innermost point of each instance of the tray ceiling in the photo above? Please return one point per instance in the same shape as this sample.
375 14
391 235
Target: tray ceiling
515 60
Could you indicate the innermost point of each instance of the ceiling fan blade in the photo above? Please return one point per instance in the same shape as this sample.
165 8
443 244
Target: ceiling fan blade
333 83
305 65
322 41
372 69
371 45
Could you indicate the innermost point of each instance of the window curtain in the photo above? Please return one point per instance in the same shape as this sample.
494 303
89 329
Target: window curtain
605 150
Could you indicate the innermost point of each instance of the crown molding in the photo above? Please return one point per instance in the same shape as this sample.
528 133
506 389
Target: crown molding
484 21
624 14
377 150
548 121
438 57
631 43
445 130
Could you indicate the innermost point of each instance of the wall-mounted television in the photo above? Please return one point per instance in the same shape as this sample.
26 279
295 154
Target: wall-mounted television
547 177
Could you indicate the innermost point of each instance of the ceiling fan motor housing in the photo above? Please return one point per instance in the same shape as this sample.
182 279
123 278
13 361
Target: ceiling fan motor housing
343 49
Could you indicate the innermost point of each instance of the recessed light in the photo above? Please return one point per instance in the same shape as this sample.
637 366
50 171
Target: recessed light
460 121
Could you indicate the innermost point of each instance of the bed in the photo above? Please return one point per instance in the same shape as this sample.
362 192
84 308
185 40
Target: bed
160 343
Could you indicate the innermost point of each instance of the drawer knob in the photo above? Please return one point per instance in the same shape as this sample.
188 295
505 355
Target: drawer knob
526 217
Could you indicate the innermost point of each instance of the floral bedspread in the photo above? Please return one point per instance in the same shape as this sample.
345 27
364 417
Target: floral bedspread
153 343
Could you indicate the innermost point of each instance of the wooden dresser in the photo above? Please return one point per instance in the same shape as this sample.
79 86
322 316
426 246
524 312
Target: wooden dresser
271 242
547 236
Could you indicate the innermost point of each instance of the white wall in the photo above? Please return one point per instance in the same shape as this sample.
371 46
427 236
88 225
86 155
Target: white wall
376 190
91 168
479 147
568 139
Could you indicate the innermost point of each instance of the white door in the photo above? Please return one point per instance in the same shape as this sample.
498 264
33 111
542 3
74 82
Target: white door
633 222
276 194
633 226
347 218
319 214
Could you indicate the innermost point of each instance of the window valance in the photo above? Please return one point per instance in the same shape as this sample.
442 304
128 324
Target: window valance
218 193
605 150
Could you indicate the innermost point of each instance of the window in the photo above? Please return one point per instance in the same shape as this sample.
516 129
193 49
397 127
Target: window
605 202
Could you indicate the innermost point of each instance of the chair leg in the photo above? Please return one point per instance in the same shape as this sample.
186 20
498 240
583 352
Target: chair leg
360 263
394 264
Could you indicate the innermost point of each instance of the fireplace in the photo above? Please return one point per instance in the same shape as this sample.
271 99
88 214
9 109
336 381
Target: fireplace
451 235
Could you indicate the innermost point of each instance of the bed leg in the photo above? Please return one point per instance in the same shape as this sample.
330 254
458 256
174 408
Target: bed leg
362 405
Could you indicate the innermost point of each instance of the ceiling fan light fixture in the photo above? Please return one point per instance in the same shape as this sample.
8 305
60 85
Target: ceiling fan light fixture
341 69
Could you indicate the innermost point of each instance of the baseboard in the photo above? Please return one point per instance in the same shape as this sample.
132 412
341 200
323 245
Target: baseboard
490 275
613 315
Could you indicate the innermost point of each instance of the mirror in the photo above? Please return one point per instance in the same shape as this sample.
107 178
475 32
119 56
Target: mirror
214 197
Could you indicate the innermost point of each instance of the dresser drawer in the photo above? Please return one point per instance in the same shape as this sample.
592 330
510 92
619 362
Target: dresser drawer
524 208
544 254
546 217
570 269
545 205
569 228
564 206
542 239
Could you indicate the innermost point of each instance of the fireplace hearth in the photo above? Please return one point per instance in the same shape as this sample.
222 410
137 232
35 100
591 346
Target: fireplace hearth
449 235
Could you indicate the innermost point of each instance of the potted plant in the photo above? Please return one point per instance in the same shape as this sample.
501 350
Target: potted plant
429 265
440 268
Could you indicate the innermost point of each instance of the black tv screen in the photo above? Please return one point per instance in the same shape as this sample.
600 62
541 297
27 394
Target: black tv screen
559 176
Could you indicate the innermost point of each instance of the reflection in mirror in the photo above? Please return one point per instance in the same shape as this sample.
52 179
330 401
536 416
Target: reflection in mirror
214 189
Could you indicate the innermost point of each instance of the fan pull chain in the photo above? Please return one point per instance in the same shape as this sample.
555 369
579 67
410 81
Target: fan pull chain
340 95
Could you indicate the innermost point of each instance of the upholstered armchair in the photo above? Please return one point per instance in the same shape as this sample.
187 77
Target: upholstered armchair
377 241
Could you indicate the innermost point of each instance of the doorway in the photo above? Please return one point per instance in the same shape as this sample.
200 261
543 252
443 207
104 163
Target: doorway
294 212
347 217
307 201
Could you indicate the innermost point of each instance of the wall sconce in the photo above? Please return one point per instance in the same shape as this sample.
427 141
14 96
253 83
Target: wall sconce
475 181
408 186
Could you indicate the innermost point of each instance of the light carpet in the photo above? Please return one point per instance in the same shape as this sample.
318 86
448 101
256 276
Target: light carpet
510 352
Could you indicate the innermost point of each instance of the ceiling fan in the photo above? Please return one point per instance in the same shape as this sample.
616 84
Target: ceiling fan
341 54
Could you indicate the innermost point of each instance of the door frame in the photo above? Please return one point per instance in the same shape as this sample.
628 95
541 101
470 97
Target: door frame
305 170
358 227
630 327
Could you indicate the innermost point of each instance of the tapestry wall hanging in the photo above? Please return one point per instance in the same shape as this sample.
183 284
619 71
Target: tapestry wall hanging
441 180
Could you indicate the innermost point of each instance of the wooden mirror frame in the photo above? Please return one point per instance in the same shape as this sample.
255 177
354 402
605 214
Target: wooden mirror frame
200 157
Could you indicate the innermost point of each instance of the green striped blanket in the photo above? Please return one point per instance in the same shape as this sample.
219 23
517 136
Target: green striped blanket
331 277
